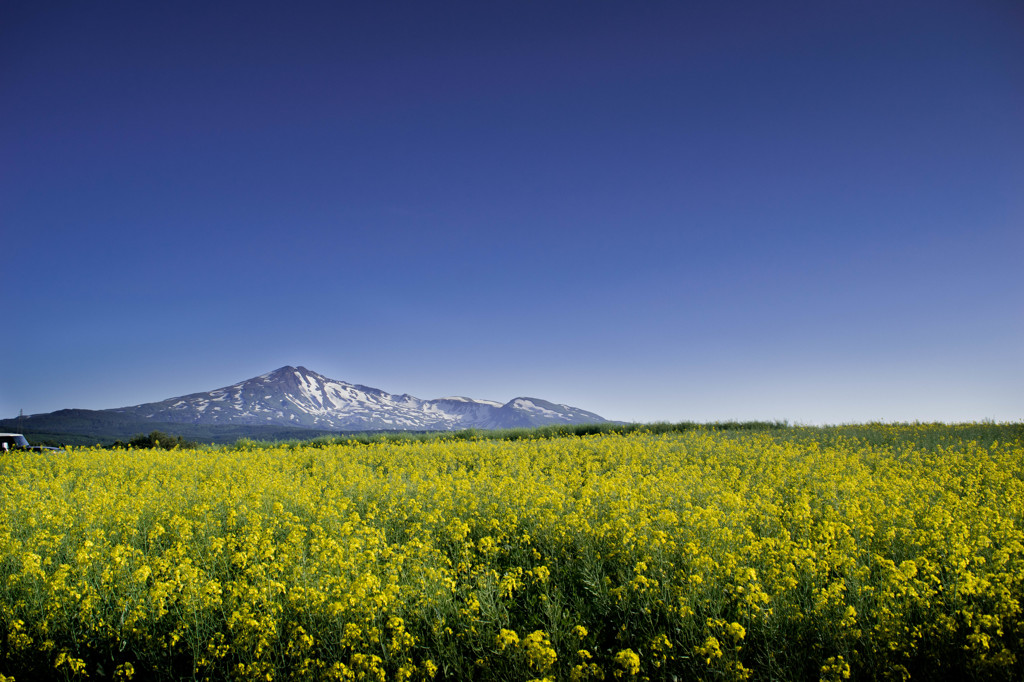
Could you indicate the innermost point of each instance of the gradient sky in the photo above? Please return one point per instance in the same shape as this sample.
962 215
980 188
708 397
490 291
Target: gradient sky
810 211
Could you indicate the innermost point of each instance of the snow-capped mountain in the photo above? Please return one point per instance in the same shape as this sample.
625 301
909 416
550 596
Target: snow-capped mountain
296 396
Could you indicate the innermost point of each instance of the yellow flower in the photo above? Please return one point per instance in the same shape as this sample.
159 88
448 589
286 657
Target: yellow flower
628 662
507 638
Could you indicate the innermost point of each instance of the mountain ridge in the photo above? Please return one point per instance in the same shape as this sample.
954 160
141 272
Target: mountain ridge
295 397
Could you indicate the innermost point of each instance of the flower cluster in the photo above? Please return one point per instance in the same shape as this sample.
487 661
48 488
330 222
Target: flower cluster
876 551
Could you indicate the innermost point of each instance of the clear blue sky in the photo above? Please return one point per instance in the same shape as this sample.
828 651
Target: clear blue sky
810 211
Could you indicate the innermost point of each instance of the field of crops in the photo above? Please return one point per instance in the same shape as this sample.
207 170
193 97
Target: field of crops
875 552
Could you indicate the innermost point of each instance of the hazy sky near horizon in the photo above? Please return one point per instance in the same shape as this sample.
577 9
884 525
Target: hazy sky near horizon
654 211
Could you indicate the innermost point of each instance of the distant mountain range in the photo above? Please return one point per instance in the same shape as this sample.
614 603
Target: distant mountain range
294 401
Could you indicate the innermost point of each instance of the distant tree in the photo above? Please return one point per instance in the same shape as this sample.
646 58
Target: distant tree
156 439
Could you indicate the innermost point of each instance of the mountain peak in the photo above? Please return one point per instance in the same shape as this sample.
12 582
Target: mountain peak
288 369
298 396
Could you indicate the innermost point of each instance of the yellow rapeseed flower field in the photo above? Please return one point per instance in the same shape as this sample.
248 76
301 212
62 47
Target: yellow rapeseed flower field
876 552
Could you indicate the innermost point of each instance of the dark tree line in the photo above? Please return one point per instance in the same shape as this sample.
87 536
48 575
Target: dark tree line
156 439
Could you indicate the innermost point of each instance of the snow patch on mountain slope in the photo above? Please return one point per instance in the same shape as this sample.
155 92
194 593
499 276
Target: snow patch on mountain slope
461 399
297 396
530 406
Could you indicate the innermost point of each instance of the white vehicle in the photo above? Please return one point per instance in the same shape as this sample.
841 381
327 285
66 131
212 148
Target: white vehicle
16 441
9 441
